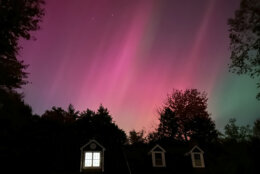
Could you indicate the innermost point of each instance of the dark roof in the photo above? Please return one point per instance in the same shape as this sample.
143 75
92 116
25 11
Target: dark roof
140 160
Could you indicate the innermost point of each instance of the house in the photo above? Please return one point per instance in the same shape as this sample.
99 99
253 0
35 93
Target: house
92 157
154 158
165 158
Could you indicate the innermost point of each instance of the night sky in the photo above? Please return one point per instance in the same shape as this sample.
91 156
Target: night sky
128 54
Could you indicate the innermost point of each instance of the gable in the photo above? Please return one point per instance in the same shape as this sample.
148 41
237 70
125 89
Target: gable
92 145
157 148
196 150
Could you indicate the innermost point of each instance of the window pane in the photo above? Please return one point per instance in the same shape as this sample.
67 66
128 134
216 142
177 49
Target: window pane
96 163
198 163
158 156
92 159
88 163
197 156
158 159
96 156
158 162
197 160
88 155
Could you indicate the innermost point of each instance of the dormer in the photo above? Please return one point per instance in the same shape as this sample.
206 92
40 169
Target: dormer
158 156
197 157
92 157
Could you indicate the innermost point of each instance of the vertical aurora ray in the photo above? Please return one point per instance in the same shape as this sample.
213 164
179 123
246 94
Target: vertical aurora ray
194 52
128 55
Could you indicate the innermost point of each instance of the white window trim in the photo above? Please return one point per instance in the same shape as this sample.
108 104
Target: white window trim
201 158
83 155
92 167
154 161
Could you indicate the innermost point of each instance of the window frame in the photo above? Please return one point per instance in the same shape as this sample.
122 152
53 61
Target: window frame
162 158
194 160
92 159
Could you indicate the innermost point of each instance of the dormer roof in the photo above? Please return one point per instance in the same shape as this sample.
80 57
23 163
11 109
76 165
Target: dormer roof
196 149
157 148
93 141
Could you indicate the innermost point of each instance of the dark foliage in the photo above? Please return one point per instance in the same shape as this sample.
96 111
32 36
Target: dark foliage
256 129
17 19
245 39
184 117
14 113
168 126
237 133
136 137
51 143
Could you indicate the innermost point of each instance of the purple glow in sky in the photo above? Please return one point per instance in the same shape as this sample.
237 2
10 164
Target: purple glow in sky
128 54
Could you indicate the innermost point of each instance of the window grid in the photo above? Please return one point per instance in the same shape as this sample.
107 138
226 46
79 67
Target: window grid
158 159
92 159
197 160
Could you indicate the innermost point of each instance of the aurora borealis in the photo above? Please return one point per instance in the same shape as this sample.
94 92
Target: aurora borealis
128 54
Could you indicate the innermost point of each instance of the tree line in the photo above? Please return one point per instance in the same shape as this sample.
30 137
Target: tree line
55 137
184 117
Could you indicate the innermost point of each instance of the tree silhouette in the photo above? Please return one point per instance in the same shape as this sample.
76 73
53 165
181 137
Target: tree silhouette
237 133
256 129
99 125
245 39
17 19
14 112
71 114
56 114
184 117
136 137
203 129
168 126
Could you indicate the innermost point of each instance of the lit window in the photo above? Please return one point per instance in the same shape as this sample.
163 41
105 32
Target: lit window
92 159
96 159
